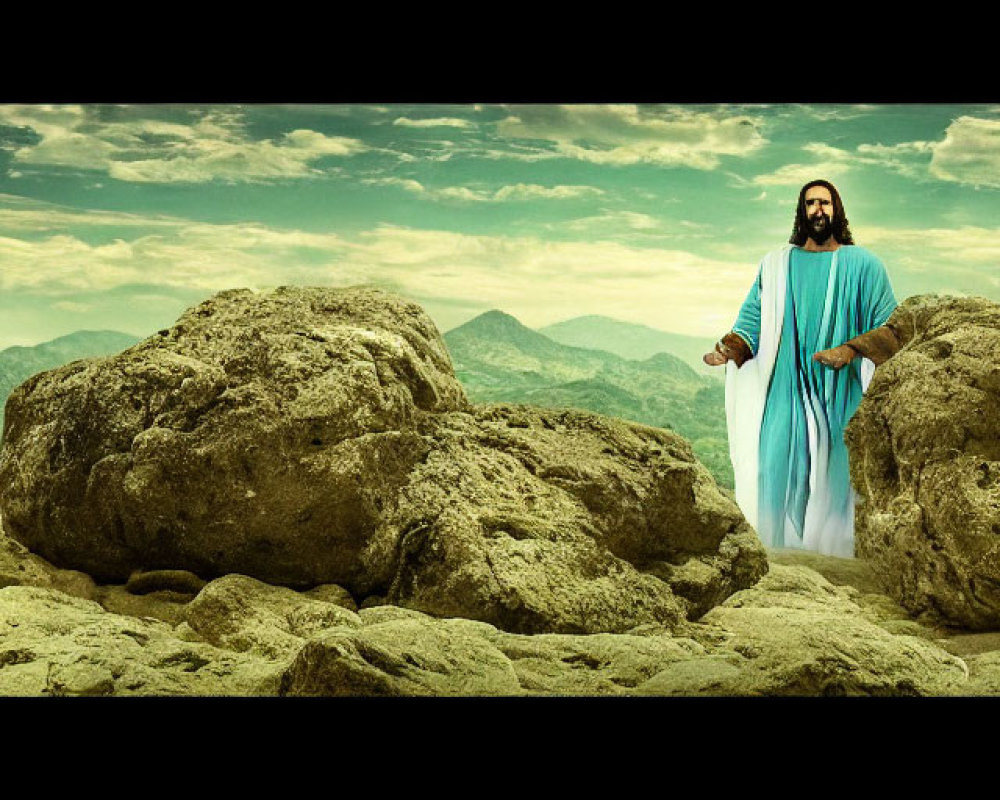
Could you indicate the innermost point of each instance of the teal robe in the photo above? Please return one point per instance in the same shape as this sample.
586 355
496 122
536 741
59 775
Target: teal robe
786 412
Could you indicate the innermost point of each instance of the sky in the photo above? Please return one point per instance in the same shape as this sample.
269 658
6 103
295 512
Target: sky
119 217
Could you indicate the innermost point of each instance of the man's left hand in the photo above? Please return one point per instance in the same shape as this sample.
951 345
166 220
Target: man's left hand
836 357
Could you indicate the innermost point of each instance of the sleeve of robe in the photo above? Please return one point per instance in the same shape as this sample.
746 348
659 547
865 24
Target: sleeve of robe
879 299
747 325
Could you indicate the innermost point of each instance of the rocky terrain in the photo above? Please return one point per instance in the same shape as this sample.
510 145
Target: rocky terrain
289 494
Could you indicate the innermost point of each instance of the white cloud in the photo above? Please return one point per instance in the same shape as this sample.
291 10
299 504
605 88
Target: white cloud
801 174
511 192
528 191
404 183
611 220
21 215
906 158
969 153
836 113
901 149
214 147
630 134
438 122
537 280
517 154
193 256
927 249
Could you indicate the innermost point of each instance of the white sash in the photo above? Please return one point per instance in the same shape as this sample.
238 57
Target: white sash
746 387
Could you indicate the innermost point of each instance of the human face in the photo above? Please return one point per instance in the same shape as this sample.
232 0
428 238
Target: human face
819 212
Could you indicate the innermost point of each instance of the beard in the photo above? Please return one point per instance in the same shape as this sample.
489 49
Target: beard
820 228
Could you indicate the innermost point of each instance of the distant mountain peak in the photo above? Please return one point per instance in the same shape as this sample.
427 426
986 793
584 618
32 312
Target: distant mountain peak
630 340
492 321
496 315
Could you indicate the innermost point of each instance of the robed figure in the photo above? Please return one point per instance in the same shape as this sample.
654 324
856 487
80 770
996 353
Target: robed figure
798 359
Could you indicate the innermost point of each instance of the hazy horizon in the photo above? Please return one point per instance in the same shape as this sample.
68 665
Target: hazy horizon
120 217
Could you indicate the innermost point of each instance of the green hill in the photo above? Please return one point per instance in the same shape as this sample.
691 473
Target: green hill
498 359
628 340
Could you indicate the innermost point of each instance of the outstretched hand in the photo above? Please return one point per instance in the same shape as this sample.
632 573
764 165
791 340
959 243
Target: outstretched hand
836 357
719 356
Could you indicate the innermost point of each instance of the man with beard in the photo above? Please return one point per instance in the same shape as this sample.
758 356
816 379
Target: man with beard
804 346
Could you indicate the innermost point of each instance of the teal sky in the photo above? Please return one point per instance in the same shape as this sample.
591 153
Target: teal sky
120 217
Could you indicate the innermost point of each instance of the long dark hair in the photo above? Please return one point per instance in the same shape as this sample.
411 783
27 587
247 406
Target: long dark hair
839 227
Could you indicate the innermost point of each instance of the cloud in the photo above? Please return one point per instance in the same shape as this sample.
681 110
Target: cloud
906 158
437 122
142 150
450 273
189 256
630 134
23 215
408 184
901 149
929 249
512 192
612 222
531 191
969 153
800 174
835 113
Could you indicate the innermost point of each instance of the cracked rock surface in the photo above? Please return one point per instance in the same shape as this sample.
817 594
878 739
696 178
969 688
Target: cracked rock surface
925 456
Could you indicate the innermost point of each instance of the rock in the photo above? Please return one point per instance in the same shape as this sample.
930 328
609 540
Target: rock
243 614
20 567
840 571
984 675
925 457
798 634
400 657
332 593
260 434
163 605
180 581
55 644
563 522
595 665
317 436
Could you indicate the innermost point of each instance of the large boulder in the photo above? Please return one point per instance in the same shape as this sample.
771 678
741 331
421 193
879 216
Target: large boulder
261 434
925 457
562 521
318 436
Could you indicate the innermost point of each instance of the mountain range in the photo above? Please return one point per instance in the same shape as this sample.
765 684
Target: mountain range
498 359
631 341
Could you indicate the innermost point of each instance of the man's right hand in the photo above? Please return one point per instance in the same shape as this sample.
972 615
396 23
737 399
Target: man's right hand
730 347
719 356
